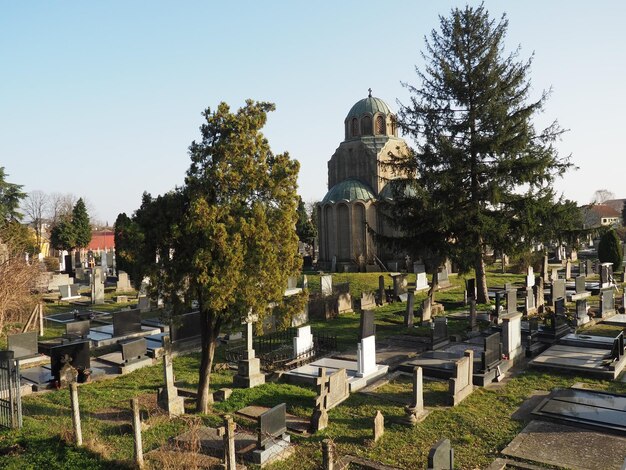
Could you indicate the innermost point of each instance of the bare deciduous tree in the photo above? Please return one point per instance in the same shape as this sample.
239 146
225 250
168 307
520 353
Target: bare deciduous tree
601 196
35 207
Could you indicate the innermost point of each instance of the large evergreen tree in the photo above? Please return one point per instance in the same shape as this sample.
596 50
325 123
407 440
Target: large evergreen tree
11 195
610 249
479 161
227 239
80 222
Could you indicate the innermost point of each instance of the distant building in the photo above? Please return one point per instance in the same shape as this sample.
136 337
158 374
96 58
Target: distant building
598 215
102 240
359 177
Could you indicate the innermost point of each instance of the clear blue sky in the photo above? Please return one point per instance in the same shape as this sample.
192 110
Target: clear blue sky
102 99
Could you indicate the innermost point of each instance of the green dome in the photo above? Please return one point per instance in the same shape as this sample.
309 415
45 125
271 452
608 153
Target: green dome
369 105
399 187
349 190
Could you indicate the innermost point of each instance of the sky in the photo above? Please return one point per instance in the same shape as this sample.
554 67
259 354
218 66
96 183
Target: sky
102 99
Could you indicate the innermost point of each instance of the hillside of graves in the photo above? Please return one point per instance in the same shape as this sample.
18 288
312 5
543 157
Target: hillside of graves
478 385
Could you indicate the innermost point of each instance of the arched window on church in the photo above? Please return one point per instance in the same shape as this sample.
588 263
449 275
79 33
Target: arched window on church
380 125
366 125
394 131
355 127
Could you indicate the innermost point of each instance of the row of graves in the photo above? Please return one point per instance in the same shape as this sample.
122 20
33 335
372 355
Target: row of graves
67 287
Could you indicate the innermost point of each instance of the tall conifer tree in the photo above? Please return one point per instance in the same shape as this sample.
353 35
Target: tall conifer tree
478 160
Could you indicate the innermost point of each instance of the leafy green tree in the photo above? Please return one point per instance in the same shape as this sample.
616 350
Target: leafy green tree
624 214
610 249
128 239
305 228
62 235
11 195
479 160
226 239
81 225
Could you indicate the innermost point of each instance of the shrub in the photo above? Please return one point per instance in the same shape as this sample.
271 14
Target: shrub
52 263
610 250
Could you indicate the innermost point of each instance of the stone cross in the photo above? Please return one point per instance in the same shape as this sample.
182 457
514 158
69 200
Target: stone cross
319 420
379 425
168 398
229 443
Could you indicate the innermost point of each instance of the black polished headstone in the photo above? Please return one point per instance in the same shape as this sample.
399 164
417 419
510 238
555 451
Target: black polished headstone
492 353
126 322
368 327
23 345
470 286
559 306
77 352
441 456
185 326
272 424
78 329
133 349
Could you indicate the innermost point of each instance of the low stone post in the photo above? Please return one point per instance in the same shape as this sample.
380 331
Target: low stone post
78 434
229 443
134 404
328 454
378 425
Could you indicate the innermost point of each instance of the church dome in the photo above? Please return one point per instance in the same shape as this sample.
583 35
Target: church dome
370 117
349 190
397 189
369 105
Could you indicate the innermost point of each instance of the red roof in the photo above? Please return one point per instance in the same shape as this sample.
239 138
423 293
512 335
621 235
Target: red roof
102 240
604 210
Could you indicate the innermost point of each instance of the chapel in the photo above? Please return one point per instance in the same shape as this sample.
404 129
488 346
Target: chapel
359 177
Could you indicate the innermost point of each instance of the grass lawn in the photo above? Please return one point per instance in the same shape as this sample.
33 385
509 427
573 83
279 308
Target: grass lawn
479 427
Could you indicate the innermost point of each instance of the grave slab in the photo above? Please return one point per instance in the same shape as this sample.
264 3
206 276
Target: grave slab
294 423
616 320
560 445
103 335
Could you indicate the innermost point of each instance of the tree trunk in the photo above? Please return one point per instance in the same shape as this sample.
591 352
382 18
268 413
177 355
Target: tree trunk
209 331
482 296
434 285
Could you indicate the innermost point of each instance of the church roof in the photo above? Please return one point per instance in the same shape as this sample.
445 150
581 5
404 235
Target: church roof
369 105
349 190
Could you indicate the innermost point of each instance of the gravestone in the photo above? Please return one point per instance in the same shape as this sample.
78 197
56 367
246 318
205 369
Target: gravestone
511 301
421 282
491 355
461 383
367 325
498 306
439 333
582 316
559 306
511 335
473 316
185 327
399 284
338 388
249 368
126 322
381 289
581 285
426 310
75 354
589 267
606 275
558 289
529 302
272 425
133 350
23 345
554 275
143 303
123 282
378 425
415 412
77 329
303 341
582 268
97 286
607 302
366 356
544 267
470 287
368 301
443 279
408 314
319 420
167 397
568 269
292 282
530 277
540 299
326 283
441 456
104 261
69 292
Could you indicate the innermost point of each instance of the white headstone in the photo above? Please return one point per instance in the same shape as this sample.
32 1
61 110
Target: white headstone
511 334
421 282
366 356
530 277
327 284
304 341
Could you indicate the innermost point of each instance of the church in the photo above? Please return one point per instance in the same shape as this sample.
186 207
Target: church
358 179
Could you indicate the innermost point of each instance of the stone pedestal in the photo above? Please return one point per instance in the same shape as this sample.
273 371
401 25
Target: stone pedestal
167 397
249 368
415 412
